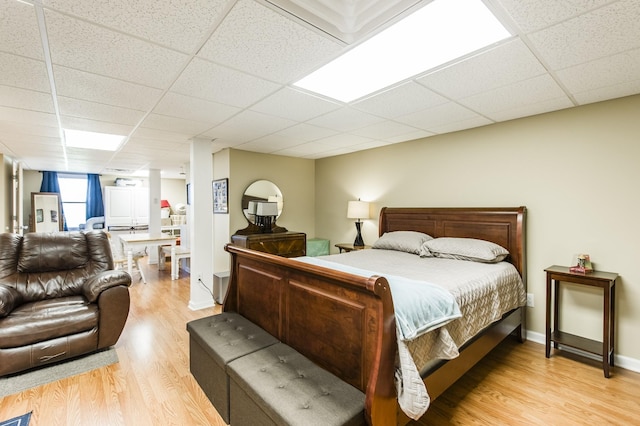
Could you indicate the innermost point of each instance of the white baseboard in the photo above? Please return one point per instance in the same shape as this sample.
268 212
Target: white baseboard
196 306
621 361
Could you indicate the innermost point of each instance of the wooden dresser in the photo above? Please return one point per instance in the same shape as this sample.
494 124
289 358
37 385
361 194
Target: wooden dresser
286 244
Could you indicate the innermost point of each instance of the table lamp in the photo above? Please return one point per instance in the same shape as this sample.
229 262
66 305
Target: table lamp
358 210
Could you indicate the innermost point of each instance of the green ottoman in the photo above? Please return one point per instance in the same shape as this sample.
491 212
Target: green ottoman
317 247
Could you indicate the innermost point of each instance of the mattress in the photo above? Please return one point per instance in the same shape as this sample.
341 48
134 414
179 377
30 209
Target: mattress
484 292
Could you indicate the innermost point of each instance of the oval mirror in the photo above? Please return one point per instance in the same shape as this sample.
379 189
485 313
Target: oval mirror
261 190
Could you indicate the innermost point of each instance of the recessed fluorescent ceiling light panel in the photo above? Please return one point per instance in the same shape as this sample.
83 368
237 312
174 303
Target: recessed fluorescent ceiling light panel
92 140
436 34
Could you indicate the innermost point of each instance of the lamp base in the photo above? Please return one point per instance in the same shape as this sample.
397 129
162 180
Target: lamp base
359 242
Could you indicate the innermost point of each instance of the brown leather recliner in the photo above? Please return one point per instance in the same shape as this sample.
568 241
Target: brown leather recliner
59 298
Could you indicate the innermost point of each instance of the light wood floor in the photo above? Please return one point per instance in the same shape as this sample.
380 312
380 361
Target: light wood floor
151 385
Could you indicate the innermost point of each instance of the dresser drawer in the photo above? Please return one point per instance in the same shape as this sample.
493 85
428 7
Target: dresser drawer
286 244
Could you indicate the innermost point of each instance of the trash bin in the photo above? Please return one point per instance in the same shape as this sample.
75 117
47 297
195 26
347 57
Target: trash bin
220 283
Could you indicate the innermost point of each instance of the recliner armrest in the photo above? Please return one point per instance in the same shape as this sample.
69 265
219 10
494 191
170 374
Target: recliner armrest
10 298
102 281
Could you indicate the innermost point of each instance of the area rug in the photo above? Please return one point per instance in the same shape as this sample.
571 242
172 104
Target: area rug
22 420
19 382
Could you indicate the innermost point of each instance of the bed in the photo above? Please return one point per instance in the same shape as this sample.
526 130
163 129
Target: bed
346 322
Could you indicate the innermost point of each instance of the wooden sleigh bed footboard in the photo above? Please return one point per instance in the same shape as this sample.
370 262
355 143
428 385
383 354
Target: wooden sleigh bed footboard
345 323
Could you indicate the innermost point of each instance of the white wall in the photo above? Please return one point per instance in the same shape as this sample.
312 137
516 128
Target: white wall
575 170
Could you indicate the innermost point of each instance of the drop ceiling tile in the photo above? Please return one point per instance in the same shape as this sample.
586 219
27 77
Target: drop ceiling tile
418 134
609 71
135 143
87 125
215 83
438 116
269 144
19 32
342 140
87 47
608 92
533 15
385 130
541 107
259 41
23 72
26 99
463 124
401 100
99 112
9 129
190 108
609 30
160 135
304 132
249 125
294 105
506 64
91 87
527 92
304 149
24 116
345 120
186 28
174 124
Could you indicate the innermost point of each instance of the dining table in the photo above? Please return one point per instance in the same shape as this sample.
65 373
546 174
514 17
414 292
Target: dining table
137 241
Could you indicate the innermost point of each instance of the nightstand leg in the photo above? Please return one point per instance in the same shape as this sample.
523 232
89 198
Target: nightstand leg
606 331
613 321
547 348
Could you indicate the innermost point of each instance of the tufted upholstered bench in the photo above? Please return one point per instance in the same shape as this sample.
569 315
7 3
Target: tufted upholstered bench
279 386
214 342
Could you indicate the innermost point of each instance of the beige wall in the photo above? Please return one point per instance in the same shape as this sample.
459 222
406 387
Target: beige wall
575 170
295 178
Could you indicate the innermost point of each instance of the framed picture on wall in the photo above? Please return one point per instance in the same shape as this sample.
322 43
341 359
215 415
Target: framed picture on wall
221 196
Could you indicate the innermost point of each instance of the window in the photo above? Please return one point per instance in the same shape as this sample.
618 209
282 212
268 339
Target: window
73 194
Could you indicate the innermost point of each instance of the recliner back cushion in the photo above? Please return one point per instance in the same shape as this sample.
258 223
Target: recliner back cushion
9 248
53 252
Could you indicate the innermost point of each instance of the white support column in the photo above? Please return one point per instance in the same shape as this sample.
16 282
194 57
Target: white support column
200 222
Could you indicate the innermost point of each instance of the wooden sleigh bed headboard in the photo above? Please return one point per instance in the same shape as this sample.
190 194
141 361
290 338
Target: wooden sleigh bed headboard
345 323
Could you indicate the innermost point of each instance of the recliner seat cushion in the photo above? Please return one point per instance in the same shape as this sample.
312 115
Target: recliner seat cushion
47 319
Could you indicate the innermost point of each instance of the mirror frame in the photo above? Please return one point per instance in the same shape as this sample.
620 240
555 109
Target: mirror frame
252 227
41 202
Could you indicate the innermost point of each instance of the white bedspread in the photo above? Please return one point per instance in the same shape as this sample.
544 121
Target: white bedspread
483 292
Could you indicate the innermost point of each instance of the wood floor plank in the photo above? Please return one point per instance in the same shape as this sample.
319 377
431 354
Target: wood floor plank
152 385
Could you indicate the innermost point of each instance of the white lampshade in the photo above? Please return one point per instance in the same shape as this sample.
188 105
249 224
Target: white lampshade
253 206
267 209
358 210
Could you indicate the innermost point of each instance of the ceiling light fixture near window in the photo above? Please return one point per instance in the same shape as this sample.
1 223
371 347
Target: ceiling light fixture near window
92 140
440 32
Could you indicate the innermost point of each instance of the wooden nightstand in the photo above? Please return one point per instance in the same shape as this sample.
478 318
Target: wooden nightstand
350 247
604 280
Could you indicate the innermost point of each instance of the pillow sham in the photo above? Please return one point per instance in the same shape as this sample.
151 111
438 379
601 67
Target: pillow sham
407 241
465 249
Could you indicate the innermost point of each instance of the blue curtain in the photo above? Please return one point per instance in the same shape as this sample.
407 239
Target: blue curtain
95 206
50 184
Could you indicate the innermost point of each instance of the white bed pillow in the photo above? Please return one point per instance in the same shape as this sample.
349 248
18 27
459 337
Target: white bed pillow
407 241
464 249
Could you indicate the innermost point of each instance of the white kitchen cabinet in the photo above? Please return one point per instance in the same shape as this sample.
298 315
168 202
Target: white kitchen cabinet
126 206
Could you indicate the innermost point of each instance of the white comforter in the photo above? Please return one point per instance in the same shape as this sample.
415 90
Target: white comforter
483 292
